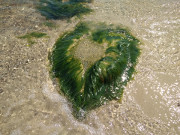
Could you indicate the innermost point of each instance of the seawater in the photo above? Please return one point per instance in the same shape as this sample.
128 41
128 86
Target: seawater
151 102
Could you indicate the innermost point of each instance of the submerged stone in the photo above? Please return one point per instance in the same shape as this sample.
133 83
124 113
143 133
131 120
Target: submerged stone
62 9
101 80
32 35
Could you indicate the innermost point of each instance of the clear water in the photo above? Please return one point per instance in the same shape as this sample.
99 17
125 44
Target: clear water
30 103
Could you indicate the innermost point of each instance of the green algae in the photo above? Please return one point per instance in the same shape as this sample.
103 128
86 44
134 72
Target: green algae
81 1
32 35
50 24
57 9
106 78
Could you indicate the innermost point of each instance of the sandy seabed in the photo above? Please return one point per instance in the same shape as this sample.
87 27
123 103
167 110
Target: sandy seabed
29 100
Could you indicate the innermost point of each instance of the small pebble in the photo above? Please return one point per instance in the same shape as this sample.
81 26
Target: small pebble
1 91
116 106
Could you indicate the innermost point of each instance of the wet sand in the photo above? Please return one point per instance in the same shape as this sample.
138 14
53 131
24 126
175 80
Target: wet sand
29 100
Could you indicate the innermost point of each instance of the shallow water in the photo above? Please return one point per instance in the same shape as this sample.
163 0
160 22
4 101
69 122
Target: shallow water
30 103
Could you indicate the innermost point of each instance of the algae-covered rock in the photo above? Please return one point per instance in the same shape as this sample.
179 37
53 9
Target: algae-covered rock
59 9
105 79
31 36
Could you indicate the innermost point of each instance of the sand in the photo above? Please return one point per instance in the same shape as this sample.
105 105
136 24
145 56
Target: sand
29 100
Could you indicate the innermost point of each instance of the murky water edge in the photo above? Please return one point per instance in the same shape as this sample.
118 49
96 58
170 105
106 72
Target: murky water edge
30 103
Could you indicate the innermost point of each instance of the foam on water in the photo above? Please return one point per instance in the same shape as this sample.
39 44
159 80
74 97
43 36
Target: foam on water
49 91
